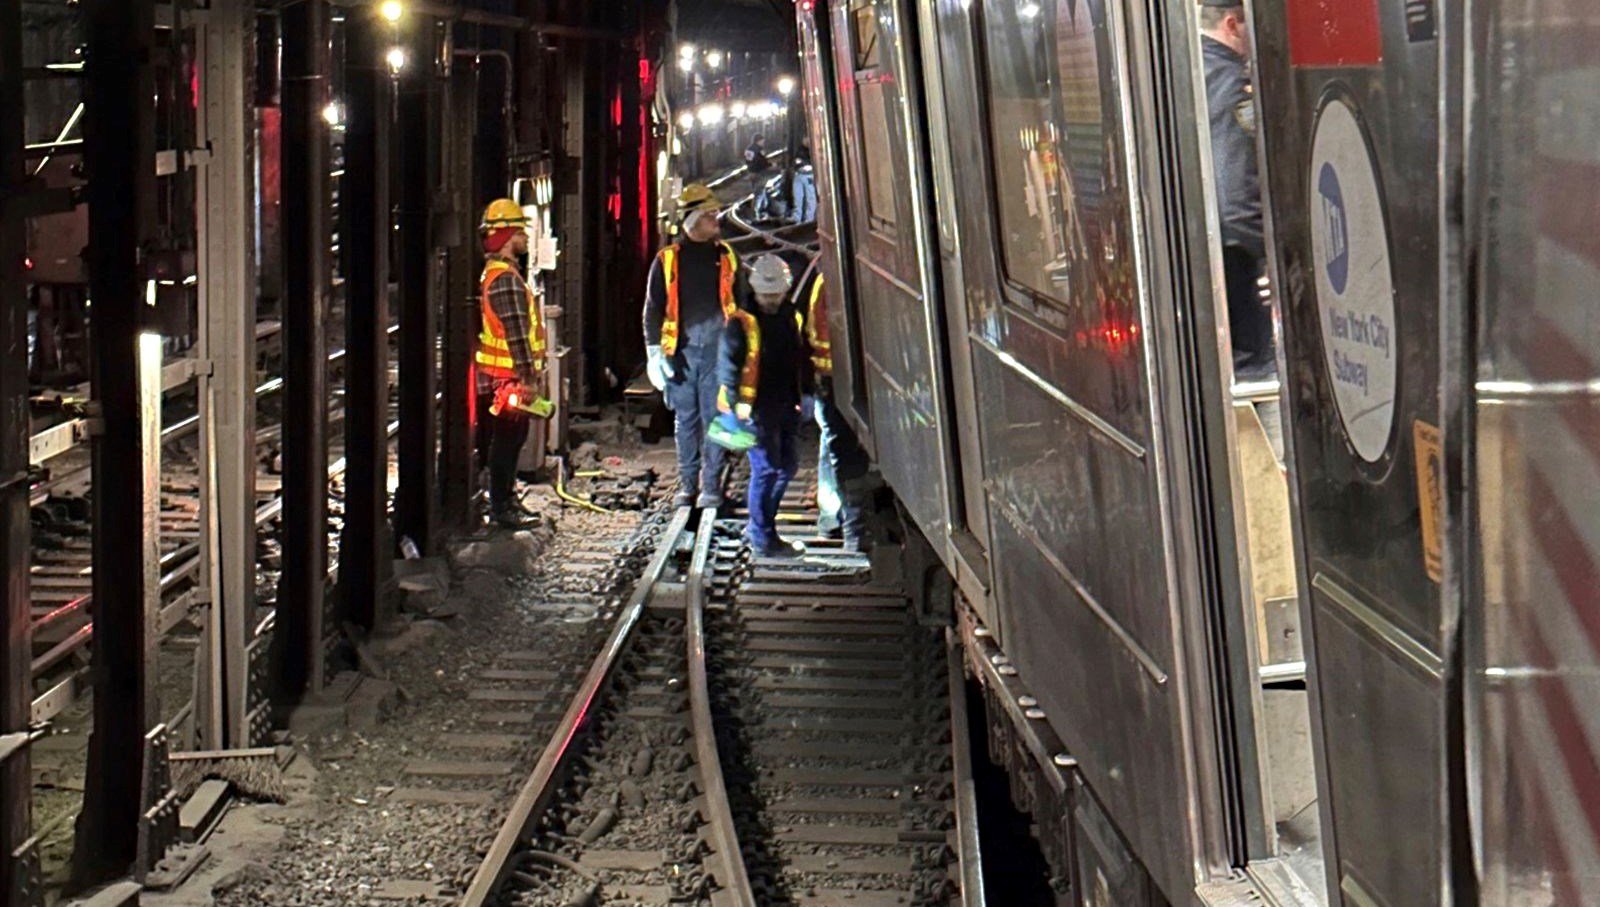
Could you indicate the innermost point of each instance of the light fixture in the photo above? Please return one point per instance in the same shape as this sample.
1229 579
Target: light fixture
711 114
686 64
786 85
686 51
392 10
333 114
686 121
1029 10
714 59
396 58
737 110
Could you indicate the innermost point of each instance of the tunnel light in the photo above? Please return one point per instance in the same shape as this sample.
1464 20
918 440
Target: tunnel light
333 114
686 64
786 85
714 59
762 110
686 51
737 110
1029 10
711 114
392 10
396 58
686 121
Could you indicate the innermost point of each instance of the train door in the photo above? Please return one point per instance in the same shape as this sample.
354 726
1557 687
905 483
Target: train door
1349 108
822 116
970 537
884 202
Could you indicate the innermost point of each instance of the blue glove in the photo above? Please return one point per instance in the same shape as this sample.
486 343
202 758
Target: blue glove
659 368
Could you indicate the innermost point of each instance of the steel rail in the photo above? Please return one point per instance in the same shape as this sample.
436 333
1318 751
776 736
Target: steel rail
735 877
969 847
541 787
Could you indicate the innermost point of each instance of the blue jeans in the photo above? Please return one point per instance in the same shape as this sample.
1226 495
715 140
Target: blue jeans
692 394
837 457
773 462
805 199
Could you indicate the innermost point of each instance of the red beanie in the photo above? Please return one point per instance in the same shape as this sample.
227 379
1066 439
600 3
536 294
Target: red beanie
496 239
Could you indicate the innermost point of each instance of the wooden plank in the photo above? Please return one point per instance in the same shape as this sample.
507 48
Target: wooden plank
873 650
863 866
876 835
842 684
435 797
843 777
458 768
844 806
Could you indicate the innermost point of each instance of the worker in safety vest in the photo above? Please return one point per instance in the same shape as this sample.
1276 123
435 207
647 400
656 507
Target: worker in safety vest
762 376
510 359
689 296
840 457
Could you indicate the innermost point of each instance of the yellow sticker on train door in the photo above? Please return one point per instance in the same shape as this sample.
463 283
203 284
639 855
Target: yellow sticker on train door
1429 449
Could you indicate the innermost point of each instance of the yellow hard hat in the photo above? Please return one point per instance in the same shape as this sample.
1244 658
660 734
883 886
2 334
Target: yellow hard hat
697 196
503 212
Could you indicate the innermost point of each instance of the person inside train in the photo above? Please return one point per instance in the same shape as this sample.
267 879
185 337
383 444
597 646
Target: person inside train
1230 99
690 293
841 461
761 371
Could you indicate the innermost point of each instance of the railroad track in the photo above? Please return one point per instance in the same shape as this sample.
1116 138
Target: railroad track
755 732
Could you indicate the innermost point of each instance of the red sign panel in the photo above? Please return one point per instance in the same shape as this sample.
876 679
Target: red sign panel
1326 33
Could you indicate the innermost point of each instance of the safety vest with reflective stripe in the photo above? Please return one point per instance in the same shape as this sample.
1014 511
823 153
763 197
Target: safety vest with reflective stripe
669 272
494 352
817 330
750 372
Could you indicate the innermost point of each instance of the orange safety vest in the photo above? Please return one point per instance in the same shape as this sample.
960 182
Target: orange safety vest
669 270
750 373
494 352
817 330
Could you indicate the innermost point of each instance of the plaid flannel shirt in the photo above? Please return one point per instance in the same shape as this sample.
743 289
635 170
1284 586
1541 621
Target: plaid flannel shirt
509 299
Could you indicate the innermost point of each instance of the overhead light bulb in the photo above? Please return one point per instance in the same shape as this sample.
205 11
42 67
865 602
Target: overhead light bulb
686 64
392 10
786 85
333 114
686 51
396 58
711 114
686 121
737 110
714 59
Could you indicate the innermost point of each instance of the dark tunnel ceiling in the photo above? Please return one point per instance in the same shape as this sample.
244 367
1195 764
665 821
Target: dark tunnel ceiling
760 26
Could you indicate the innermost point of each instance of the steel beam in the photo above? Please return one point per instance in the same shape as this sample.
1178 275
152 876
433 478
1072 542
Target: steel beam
227 383
365 233
16 693
119 153
418 127
457 453
297 641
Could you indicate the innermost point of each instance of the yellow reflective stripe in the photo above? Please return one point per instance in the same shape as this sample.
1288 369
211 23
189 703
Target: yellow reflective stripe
750 375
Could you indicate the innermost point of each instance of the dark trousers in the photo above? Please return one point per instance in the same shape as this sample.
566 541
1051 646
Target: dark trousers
1249 320
773 462
500 440
840 460
692 395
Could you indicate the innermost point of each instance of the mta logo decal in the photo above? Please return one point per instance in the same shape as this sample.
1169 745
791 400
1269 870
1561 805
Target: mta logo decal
1335 229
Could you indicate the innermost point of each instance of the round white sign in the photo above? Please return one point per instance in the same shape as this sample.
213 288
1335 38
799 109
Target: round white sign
1355 287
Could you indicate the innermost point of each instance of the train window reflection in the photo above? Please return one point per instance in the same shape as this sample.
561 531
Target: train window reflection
1056 141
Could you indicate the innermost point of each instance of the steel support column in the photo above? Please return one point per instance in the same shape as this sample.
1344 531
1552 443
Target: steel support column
297 641
227 384
16 691
458 455
119 158
418 127
365 234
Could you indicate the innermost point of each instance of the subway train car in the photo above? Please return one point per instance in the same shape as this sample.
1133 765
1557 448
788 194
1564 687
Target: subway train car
1329 639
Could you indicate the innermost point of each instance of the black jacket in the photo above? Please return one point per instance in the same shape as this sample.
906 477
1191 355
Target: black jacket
1231 100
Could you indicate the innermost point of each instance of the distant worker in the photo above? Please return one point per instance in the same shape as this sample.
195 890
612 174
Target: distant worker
804 209
688 298
840 458
756 165
1231 99
510 359
761 372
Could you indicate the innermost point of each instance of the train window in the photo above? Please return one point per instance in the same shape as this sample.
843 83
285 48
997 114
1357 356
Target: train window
864 25
1056 144
878 153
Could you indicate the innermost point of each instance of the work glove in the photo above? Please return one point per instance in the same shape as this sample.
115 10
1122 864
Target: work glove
657 367
742 411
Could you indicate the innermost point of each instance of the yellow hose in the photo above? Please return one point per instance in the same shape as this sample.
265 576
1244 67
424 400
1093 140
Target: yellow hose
561 490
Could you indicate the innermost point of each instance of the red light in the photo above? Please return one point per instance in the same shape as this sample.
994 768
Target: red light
806 6
27 264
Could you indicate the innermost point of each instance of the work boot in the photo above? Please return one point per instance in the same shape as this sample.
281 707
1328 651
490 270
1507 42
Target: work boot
514 517
683 499
709 501
856 544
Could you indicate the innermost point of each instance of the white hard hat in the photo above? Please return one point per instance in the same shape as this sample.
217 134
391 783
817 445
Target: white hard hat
770 274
